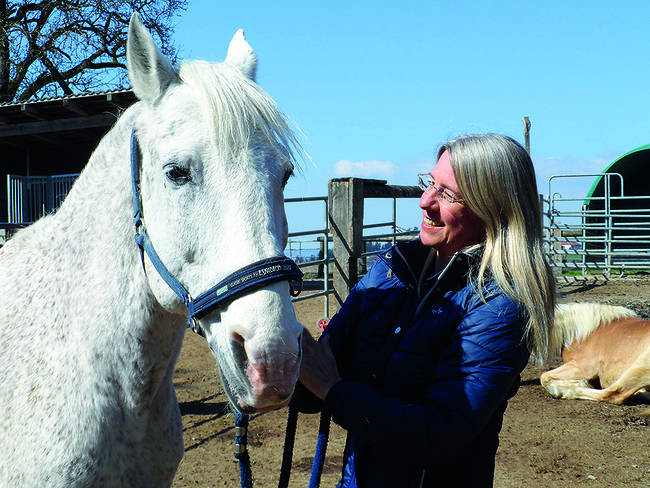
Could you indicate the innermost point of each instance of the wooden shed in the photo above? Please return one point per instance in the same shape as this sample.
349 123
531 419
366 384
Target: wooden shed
50 137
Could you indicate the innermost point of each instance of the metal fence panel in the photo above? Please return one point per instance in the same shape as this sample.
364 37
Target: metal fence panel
31 197
606 234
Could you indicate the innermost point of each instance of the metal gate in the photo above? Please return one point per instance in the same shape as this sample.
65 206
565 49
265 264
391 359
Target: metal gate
31 197
598 234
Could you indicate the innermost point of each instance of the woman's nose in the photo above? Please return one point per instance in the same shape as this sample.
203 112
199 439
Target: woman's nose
429 199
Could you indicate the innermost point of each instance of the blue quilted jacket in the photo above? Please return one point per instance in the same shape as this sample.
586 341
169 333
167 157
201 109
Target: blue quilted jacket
426 376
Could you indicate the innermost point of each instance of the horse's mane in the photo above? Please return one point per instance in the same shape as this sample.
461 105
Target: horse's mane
243 107
576 321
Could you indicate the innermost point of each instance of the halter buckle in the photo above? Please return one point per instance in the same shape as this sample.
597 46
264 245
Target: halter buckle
196 328
293 292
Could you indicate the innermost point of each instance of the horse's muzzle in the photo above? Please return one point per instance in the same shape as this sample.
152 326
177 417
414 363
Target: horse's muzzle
269 379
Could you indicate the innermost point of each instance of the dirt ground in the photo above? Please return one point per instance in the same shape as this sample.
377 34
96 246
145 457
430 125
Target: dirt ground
545 442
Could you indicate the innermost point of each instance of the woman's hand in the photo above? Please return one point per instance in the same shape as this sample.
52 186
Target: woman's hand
318 372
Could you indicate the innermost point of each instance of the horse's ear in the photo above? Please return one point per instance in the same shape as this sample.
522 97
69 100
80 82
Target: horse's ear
150 72
241 55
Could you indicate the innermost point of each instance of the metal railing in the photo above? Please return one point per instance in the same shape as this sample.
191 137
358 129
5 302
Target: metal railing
607 234
319 240
31 197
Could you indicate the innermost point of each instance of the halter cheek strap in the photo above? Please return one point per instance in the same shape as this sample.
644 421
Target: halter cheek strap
245 280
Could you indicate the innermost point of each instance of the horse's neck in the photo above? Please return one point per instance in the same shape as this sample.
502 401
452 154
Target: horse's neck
91 250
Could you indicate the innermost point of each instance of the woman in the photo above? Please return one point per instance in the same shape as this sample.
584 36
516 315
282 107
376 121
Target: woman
420 361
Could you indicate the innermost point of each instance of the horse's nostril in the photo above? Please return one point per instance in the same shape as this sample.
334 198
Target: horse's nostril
234 336
239 354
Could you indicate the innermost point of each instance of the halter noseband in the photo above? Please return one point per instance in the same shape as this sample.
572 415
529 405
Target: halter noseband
256 275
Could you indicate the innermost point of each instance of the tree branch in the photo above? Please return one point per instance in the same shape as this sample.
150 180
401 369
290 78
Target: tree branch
80 43
56 76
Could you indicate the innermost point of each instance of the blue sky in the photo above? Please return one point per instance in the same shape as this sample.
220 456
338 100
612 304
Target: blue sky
376 86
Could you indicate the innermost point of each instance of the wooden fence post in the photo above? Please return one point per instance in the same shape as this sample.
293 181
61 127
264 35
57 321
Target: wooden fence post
346 226
526 122
346 204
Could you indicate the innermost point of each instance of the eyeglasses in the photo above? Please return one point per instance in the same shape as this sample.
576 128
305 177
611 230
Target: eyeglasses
445 197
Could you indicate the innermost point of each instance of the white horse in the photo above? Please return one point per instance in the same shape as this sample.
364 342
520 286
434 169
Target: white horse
90 332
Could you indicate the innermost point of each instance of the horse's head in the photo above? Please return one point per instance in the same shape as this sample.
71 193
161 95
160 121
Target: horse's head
215 156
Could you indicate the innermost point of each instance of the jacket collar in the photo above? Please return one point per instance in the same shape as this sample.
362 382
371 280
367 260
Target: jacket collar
407 259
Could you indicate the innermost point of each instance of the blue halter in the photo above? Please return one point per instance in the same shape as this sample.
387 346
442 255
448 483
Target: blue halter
256 275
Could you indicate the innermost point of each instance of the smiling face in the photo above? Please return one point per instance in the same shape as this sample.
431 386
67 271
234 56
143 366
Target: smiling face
448 230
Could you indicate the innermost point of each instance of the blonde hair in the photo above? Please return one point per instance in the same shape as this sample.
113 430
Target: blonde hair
497 179
577 321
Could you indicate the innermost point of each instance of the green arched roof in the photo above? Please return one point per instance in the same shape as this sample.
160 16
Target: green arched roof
634 166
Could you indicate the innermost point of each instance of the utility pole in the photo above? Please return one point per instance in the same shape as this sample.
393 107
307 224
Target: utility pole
526 122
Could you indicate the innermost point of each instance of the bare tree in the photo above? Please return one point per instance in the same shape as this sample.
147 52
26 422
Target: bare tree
56 47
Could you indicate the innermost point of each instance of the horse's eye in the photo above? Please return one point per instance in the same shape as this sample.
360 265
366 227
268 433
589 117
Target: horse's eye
286 177
177 174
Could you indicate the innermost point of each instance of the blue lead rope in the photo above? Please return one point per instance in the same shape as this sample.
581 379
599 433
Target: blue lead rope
321 449
287 454
319 456
241 450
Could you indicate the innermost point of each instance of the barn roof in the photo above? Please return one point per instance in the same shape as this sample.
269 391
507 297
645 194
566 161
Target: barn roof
634 167
56 135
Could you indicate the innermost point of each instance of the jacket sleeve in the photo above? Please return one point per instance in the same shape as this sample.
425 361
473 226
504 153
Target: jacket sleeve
475 374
